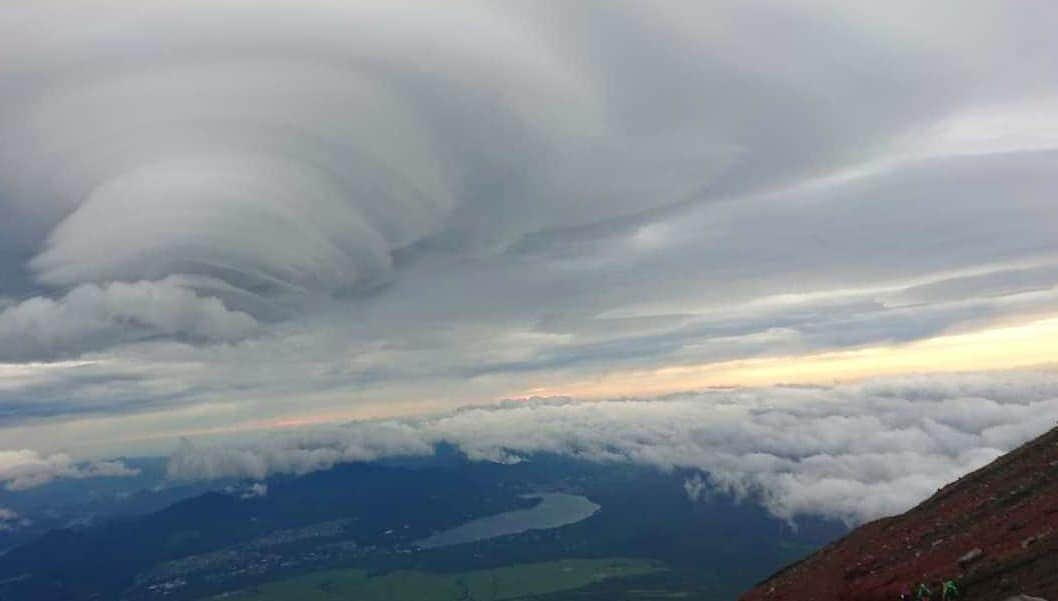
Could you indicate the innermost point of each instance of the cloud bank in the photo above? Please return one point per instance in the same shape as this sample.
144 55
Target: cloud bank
20 470
851 452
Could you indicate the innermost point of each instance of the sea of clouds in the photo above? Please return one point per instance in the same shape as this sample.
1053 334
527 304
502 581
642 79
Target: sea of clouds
852 452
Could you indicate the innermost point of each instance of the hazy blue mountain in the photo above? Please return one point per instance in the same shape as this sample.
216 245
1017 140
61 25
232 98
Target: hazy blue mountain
71 502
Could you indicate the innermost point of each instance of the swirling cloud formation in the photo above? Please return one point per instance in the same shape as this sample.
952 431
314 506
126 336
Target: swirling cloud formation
214 212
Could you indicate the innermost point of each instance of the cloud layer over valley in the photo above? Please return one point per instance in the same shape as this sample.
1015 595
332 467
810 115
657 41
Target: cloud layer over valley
851 452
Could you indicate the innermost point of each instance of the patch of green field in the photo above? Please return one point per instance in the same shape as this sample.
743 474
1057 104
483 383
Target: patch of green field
510 582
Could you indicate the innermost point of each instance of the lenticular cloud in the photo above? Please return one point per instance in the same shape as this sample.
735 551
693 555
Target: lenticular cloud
266 155
268 164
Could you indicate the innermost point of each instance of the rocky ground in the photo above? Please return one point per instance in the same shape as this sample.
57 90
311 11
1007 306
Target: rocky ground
994 532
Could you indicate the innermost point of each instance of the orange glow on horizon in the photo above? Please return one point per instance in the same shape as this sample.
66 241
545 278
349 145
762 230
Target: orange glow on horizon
1032 344
1011 346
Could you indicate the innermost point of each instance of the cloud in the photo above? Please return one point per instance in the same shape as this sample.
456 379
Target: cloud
308 157
851 452
89 315
696 488
297 454
23 469
10 520
257 489
232 212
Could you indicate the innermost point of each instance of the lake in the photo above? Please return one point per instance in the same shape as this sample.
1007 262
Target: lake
553 510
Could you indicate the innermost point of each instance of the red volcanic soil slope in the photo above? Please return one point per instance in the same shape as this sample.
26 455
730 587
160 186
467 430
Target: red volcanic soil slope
994 532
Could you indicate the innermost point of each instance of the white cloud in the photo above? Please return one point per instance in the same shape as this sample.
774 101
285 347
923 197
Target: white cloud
852 452
10 520
299 453
25 468
257 489
696 488
91 314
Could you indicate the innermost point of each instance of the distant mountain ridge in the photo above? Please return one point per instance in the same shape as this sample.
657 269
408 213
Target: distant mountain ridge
993 532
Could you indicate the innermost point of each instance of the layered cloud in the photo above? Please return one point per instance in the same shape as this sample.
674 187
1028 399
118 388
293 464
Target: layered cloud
228 215
852 452
295 152
24 469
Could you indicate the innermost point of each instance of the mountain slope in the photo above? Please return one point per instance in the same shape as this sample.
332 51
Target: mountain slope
994 531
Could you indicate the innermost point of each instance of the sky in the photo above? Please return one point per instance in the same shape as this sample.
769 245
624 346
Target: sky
227 218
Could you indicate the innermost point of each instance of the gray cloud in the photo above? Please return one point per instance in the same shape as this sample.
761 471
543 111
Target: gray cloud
300 157
90 315
299 454
248 211
853 452
696 488
24 469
